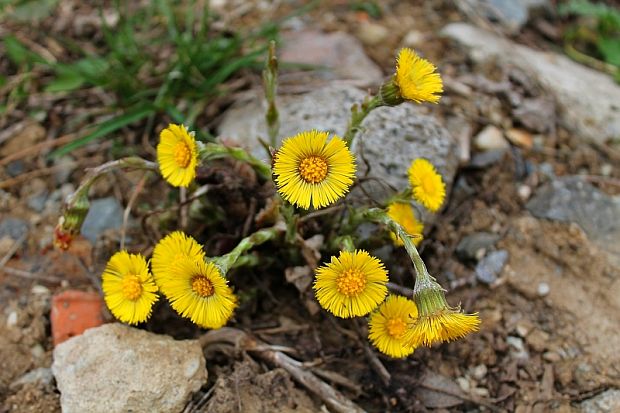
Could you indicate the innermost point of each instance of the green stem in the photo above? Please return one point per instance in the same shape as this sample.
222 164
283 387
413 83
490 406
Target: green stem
211 151
358 114
345 243
227 261
270 84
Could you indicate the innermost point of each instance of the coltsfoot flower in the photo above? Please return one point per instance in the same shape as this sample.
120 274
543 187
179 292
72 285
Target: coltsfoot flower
198 291
388 324
128 287
170 249
427 184
404 215
416 78
351 285
311 171
437 321
177 155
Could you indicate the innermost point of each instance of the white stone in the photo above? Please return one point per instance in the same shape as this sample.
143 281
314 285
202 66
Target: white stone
116 368
11 320
589 101
490 138
543 289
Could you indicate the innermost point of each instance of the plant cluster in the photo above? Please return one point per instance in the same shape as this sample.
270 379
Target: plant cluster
310 170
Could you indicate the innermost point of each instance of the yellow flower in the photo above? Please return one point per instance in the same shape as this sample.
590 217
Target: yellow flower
427 185
351 285
310 170
198 291
437 321
404 215
177 155
416 78
388 324
128 287
171 249
447 325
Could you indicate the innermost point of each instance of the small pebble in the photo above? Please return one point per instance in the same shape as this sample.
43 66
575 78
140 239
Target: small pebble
480 372
481 392
463 384
543 289
606 169
11 320
40 290
524 192
552 356
37 351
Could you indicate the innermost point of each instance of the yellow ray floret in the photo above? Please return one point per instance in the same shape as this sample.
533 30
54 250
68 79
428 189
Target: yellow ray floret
404 215
416 78
442 326
351 285
388 324
427 185
198 291
311 171
128 287
170 249
177 155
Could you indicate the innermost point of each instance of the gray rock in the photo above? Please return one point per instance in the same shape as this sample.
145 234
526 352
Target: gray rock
511 14
104 214
487 158
41 376
338 55
15 168
116 368
490 267
474 246
587 99
572 199
14 228
392 137
606 402
36 202
66 165
536 114
517 348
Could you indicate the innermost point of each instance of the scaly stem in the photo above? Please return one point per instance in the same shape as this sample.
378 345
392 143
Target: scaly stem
227 261
358 114
270 84
210 151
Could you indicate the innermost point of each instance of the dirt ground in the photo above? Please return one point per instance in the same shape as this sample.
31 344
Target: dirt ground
534 353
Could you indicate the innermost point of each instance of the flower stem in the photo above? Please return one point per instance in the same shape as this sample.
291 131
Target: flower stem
358 114
227 261
210 151
270 84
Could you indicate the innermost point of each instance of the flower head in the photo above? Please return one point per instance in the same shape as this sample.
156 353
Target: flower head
311 171
351 285
437 321
128 287
404 215
177 155
170 249
427 185
388 324
198 291
416 78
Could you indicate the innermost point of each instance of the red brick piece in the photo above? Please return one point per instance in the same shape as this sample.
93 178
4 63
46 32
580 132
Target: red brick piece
73 312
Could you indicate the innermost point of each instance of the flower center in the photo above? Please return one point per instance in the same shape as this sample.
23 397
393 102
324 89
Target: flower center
351 282
202 286
313 169
396 327
131 287
182 154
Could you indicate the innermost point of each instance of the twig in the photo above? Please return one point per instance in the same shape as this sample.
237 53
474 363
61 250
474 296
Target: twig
36 148
408 292
330 396
321 212
13 249
183 204
132 199
461 396
602 180
375 363
33 174
31 276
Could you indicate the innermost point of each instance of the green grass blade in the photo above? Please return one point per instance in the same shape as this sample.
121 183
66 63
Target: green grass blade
106 128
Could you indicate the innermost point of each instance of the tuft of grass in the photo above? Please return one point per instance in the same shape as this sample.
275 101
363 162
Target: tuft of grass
156 59
596 35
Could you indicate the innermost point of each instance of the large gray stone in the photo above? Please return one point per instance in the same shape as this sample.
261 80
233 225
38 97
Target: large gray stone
572 199
511 14
116 368
391 138
337 56
606 402
588 100
104 214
